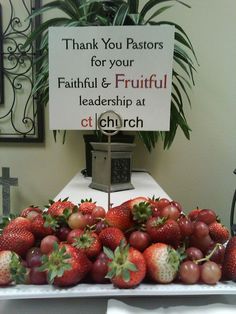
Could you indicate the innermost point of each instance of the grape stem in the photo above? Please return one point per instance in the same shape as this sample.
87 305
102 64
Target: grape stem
207 257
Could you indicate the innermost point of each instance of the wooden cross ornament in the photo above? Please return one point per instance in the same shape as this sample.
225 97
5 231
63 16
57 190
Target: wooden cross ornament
6 181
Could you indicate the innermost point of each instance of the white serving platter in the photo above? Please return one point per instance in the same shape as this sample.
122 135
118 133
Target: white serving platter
107 290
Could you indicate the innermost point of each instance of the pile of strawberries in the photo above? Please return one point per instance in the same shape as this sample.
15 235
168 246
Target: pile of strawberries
142 240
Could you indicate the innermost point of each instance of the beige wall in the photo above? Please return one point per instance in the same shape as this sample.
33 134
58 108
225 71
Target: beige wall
196 172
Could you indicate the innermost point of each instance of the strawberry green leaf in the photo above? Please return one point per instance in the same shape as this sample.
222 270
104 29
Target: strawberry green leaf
18 271
108 252
111 274
132 267
126 275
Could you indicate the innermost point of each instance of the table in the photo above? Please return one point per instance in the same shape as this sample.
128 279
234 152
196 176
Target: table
76 189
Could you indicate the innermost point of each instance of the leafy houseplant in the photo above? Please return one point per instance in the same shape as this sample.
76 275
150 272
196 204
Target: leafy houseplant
123 12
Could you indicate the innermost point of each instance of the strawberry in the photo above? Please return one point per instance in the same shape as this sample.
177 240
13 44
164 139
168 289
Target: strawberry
30 212
87 206
11 268
17 240
19 223
65 265
193 214
57 208
141 212
218 232
119 217
162 262
89 243
126 266
154 206
111 237
164 230
38 227
231 244
229 264
135 201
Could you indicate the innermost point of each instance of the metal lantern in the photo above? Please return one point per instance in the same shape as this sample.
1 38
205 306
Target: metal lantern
118 177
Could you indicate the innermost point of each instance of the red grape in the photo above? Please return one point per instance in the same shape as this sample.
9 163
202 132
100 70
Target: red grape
90 220
100 225
210 273
62 233
170 211
46 245
37 277
33 257
99 270
193 253
140 240
103 256
219 253
189 272
75 233
98 212
203 243
186 226
77 221
200 229
177 205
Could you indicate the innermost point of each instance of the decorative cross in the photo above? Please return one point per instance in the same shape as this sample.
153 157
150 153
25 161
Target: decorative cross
6 182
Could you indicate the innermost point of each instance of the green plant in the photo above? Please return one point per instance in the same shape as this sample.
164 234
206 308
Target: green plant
123 12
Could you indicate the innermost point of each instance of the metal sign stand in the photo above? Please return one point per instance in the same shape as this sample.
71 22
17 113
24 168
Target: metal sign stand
109 134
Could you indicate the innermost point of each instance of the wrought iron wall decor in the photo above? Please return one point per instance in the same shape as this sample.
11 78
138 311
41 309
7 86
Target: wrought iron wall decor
21 116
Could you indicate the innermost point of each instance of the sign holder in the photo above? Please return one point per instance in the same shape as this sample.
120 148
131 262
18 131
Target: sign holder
109 134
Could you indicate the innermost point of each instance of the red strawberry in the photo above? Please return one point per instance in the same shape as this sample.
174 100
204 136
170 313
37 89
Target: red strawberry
17 240
11 268
135 201
141 212
65 265
231 244
126 266
87 206
154 206
111 237
162 262
19 223
229 264
88 243
38 227
57 208
119 217
30 212
218 232
193 214
164 230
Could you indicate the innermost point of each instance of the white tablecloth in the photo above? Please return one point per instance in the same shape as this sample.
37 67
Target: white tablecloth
78 188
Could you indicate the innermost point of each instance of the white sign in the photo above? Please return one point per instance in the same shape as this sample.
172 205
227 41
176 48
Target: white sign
126 69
